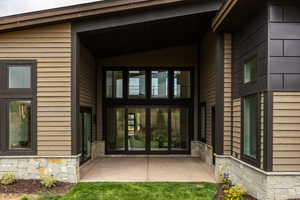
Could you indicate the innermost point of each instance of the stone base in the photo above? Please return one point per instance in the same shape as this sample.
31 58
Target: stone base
258 183
64 169
98 149
202 150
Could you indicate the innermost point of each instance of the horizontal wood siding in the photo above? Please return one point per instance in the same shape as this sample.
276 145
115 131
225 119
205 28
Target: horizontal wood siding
286 131
227 93
236 128
207 80
88 83
51 47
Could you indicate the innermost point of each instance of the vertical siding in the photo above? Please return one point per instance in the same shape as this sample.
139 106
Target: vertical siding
88 83
262 129
236 132
51 47
286 131
227 93
208 77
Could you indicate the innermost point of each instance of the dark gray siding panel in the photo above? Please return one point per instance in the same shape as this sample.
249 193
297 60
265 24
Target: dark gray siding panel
250 41
284 41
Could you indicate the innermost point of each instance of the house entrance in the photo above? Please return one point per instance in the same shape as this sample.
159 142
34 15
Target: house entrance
148 111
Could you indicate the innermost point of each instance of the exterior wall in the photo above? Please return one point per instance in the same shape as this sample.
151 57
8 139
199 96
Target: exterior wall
51 47
63 168
258 183
286 131
182 56
88 83
251 40
227 93
236 132
284 42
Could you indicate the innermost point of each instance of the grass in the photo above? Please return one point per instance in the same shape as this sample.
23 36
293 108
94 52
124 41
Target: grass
139 191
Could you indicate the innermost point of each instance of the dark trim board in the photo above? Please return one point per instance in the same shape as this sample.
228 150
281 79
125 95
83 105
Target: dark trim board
268 132
219 139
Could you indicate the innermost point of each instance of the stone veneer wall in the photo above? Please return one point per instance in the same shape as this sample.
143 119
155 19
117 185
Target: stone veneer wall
63 168
202 150
258 183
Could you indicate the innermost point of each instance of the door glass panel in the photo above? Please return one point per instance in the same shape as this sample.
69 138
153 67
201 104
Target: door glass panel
179 128
159 84
182 84
87 133
19 77
136 129
19 125
114 84
159 129
136 86
116 129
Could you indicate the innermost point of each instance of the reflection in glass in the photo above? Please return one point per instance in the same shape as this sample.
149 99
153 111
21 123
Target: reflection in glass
250 126
19 77
159 129
136 86
179 128
114 84
116 129
19 125
159 84
136 129
182 84
87 132
250 71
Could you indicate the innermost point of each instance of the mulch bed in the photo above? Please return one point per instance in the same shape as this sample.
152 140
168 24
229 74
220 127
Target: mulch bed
220 194
33 187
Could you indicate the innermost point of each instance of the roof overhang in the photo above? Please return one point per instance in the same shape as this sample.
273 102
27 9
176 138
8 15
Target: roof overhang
82 11
235 13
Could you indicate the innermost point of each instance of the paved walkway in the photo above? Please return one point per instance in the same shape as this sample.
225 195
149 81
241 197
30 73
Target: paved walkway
147 169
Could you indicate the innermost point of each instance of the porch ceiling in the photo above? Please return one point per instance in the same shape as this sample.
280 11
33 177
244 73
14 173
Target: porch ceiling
148 35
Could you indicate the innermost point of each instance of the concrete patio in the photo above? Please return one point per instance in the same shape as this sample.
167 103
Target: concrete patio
149 169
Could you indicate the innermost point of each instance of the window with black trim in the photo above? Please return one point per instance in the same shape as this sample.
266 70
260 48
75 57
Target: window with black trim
250 70
17 107
250 129
203 122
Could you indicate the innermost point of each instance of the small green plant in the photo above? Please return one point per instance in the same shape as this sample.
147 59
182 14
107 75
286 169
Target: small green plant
8 178
48 181
25 198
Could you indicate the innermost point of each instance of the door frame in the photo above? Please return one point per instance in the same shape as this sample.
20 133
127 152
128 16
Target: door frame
149 103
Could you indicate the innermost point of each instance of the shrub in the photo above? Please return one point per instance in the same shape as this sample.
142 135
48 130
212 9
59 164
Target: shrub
234 193
8 178
48 181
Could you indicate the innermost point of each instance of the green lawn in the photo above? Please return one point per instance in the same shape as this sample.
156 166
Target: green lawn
141 191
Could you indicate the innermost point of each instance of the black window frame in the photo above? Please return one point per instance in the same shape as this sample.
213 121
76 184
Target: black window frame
250 160
148 102
17 94
201 106
249 59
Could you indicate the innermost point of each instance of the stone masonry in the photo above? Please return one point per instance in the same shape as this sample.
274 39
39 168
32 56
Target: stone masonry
64 169
258 183
202 150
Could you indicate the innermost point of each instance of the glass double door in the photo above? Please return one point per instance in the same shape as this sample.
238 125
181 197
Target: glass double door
149 129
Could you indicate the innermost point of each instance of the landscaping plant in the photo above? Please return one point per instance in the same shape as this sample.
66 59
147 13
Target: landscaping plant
8 178
48 181
234 193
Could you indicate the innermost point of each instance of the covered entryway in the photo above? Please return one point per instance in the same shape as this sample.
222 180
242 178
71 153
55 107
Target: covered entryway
147 169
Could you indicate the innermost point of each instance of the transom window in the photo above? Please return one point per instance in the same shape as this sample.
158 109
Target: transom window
148 83
17 100
250 70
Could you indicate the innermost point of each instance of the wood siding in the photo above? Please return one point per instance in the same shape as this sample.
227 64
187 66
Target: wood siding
88 83
236 132
284 42
227 93
286 131
207 70
251 41
50 46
